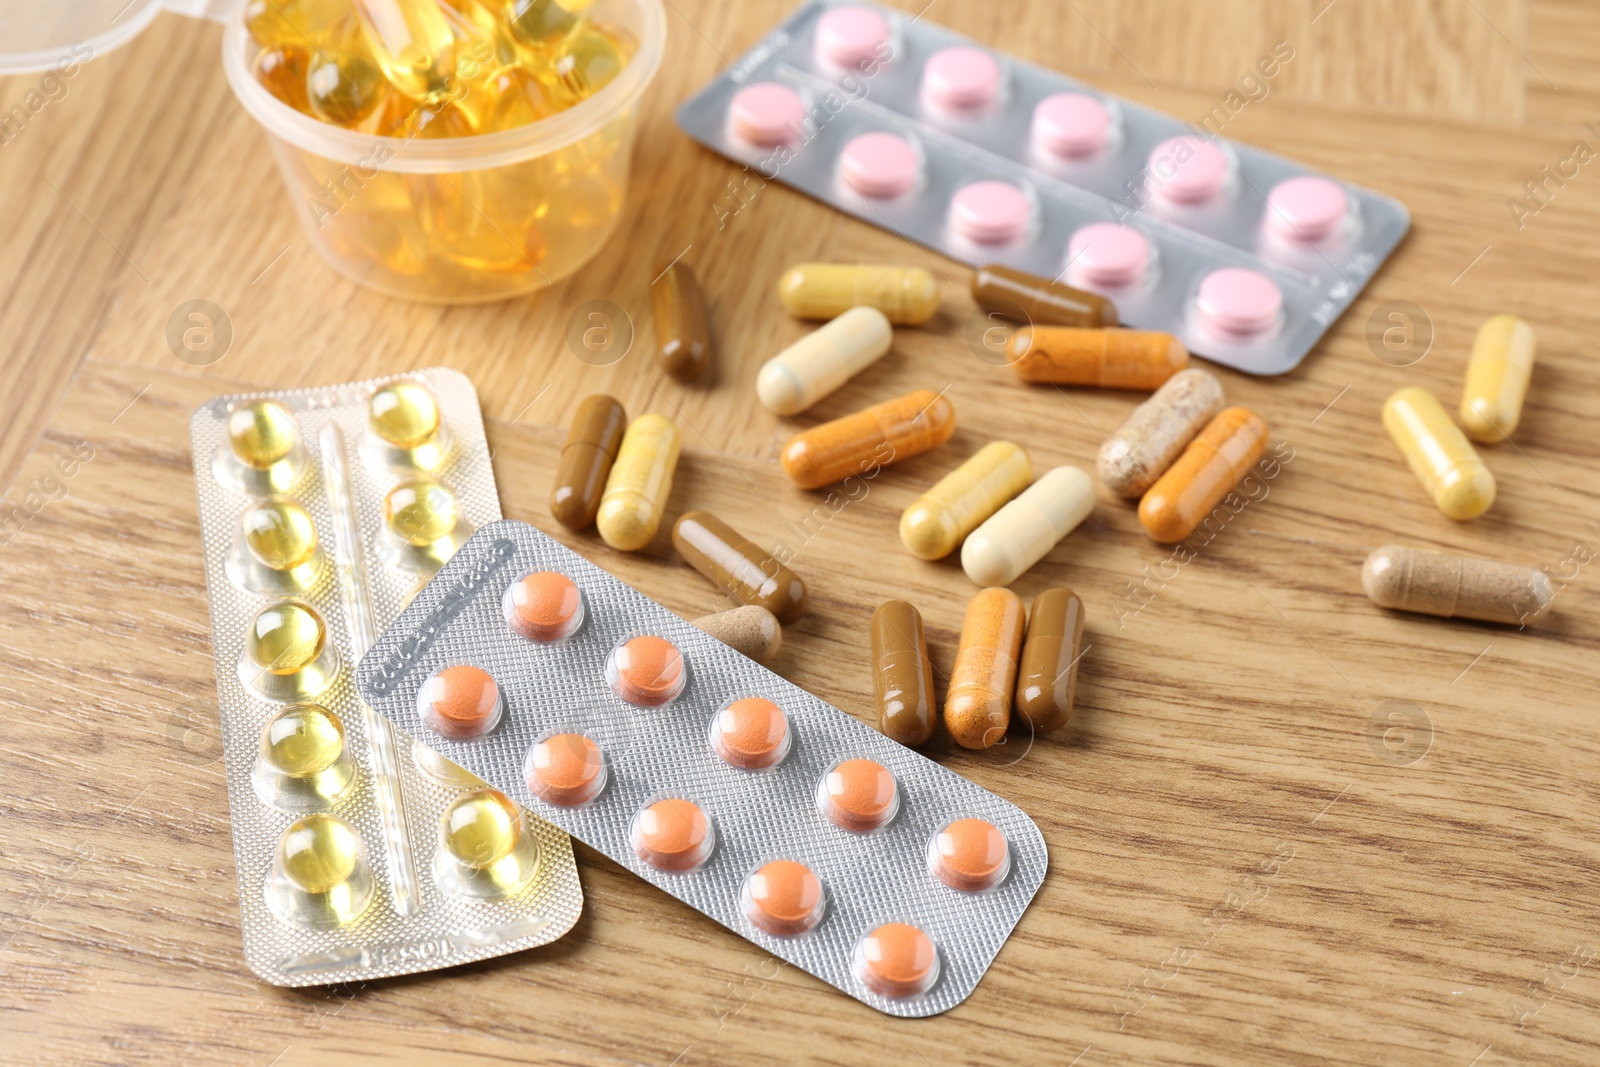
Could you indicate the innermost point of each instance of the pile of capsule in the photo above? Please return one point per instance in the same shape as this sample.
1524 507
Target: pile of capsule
432 68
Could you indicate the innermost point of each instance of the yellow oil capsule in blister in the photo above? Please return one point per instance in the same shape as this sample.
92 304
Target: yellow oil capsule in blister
639 483
423 525
1439 454
303 764
484 852
262 434
287 654
405 430
276 550
320 877
1497 378
938 521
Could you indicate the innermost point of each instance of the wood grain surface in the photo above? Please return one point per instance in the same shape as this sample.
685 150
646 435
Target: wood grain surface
1285 825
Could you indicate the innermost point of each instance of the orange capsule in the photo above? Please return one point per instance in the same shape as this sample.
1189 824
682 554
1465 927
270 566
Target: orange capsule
1207 471
1111 359
977 708
873 437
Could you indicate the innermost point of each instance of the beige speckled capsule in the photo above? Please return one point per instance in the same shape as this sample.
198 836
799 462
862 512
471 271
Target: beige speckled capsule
1442 583
977 709
1497 378
1158 431
939 520
906 295
639 483
751 630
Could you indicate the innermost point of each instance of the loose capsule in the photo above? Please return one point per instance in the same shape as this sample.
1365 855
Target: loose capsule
639 483
977 709
1452 586
823 360
1497 378
1025 530
1155 434
1439 454
586 460
1110 359
936 524
907 296
1033 300
1047 681
738 566
1209 468
902 673
751 631
683 336
873 437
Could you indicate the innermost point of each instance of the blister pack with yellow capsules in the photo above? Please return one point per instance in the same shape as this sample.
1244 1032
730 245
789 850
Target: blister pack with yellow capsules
774 813
359 853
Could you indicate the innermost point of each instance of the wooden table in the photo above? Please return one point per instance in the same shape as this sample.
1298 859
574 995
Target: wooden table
1284 824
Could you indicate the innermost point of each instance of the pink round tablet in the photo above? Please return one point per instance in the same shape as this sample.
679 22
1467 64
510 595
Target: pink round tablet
1238 301
1306 209
879 165
1188 170
1071 125
1109 256
990 213
851 37
961 79
767 113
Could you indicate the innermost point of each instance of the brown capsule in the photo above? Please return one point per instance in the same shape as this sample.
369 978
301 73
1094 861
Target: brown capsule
977 709
902 674
738 566
1047 680
750 630
1030 299
871 438
1456 587
1110 359
586 460
1203 475
683 335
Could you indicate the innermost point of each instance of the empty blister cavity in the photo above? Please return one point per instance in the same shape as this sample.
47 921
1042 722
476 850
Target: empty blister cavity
1190 171
782 897
897 960
276 551
859 795
991 213
566 770
405 430
460 702
446 773
261 451
971 855
880 165
287 655
853 38
751 733
303 764
672 834
1108 256
484 852
320 878
646 670
767 114
1072 126
961 81
543 606
1238 304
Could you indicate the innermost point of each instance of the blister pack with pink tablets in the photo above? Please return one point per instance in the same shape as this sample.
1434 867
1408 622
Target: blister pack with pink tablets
776 814
1245 256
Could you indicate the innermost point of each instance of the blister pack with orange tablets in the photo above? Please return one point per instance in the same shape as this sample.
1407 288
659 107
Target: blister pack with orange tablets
779 816
359 853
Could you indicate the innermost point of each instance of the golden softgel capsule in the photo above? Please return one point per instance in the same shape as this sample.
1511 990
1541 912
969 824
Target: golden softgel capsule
938 521
1456 587
1440 455
1497 378
907 296
639 483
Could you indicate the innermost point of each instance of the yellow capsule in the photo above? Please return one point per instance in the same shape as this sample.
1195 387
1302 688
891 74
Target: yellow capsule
906 295
261 433
1440 455
403 413
413 43
586 62
345 83
480 828
537 26
513 97
279 534
936 524
1497 378
639 483
286 637
319 853
421 511
302 740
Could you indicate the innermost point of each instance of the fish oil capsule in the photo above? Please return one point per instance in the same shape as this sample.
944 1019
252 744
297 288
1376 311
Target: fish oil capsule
672 834
683 336
287 654
483 852
262 451
586 459
537 26
977 708
639 483
413 44
1110 359
1158 430
1497 378
405 429
737 566
902 673
303 764
1456 587
750 631
565 769
782 898
1047 679
970 855
823 360
282 69
907 296
422 525
276 550
586 61
1206 472
344 82
1440 455
320 878
936 524
874 437
859 795
1023 532
896 960
1032 300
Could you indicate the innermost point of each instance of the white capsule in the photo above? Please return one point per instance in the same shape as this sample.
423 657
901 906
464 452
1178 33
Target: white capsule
823 360
1025 530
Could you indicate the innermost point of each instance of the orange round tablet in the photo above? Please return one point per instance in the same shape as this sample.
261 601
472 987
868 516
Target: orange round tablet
565 769
460 702
751 732
672 835
646 670
897 960
969 854
783 898
859 795
543 606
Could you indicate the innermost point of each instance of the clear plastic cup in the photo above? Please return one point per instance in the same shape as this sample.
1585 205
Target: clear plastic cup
466 219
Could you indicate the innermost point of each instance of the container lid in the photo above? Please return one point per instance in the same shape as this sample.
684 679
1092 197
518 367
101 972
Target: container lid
38 35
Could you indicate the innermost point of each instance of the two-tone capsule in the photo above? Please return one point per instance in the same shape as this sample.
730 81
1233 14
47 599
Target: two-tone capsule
1497 378
1209 468
1023 532
823 360
1456 587
1047 678
874 437
1439 454
639 484
738 566
1157 432
1109 359
683 333
907 296
1030 299
902 673
586 460
938 521
977 708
